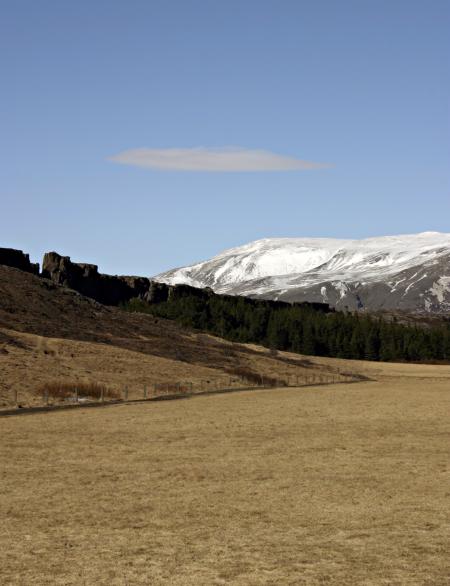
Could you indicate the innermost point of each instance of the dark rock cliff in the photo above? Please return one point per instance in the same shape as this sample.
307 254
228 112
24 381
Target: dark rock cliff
18 260
85 278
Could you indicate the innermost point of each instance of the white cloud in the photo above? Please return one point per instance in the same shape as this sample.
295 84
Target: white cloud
225 159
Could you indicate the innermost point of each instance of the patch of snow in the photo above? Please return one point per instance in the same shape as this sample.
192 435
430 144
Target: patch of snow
394 286
440 288
414 283
341 287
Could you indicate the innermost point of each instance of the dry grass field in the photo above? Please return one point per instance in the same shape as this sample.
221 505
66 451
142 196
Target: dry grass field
29 361
342 485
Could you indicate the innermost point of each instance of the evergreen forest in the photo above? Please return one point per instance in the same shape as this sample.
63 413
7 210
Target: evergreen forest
306 328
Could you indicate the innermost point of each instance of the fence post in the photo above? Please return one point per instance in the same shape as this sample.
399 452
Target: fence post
76 394
145 392
102 395
46 397
125 393
15 397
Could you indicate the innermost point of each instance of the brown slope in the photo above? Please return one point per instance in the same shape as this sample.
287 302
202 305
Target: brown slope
48 333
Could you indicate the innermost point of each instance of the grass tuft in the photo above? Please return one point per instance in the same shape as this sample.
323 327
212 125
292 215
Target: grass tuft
254 378
65 390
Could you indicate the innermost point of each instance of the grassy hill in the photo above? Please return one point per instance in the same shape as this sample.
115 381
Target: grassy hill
306 328
50 333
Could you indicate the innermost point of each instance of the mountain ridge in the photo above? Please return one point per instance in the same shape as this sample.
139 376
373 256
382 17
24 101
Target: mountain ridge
408 272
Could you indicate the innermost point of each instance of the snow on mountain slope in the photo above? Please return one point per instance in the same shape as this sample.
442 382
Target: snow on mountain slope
392 272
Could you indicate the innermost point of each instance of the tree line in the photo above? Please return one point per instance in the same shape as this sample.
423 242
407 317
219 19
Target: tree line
304 328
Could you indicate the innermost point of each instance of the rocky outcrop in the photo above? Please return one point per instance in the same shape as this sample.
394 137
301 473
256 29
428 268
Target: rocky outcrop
178 292
17 259
157 293
111 289
85 278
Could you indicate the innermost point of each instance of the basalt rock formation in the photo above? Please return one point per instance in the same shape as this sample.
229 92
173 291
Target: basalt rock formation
85 278
18 260
110 289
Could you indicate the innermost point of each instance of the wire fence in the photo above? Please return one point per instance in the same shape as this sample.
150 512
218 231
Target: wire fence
58 394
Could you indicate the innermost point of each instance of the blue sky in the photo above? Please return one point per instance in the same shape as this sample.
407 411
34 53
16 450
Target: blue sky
360 85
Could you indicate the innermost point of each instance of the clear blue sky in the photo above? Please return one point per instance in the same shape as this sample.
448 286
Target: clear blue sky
363 85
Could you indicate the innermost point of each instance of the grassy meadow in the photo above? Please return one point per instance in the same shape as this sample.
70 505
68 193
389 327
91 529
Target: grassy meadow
343 485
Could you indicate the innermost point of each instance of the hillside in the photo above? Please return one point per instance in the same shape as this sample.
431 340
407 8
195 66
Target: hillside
51 333
409 272
305 328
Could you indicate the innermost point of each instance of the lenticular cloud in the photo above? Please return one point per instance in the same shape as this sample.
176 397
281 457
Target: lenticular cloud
227 159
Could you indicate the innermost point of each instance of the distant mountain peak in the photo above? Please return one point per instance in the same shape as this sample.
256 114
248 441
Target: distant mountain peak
409 271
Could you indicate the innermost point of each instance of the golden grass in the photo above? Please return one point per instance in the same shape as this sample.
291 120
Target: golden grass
341 485
29 362
75 390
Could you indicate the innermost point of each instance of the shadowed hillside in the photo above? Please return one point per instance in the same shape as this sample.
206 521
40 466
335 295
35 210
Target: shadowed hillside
51 333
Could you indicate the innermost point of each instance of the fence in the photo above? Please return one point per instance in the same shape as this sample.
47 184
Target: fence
96 393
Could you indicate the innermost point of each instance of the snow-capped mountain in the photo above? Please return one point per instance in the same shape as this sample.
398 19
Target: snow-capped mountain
408 272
